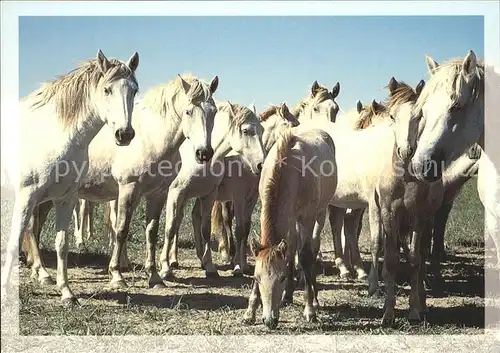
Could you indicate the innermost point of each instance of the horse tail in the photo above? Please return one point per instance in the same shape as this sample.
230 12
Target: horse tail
217 218
26 247
107 219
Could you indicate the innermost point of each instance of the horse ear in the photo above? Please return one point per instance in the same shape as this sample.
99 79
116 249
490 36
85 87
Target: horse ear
359 106
374 104
231 108
214 84
393 84
469 64
420 87
314 88
431 64
103 62
255 247
253 109
185 86
336 90
282 247
284 110
133 62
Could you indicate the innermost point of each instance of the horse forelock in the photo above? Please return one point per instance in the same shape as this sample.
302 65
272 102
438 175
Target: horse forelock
368 113
404 93
449 76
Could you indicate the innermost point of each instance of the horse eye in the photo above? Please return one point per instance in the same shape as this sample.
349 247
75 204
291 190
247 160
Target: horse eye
107 91
188 113
316 109
392 118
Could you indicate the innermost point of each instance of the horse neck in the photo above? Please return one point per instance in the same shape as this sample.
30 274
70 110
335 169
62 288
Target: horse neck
86 129
162 134
221 136
272 131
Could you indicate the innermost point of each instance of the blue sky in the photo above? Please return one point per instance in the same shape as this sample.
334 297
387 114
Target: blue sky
258 59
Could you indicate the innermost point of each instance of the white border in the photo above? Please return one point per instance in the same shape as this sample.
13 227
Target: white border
11 10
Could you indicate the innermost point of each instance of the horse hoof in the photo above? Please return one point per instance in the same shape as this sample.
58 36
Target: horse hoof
47 281
69 302
120 284
158 286
174 265
212 275
374 292
286 302
414 318
311 317
387 320
166 275
248 320
344 276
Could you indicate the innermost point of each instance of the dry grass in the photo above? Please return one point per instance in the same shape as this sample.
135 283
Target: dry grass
194 305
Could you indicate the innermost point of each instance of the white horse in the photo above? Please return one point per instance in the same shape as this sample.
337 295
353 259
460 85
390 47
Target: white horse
59 121
319 104
236 129
166 116
453 109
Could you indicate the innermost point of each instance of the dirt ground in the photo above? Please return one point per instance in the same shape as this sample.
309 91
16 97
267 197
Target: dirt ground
192 304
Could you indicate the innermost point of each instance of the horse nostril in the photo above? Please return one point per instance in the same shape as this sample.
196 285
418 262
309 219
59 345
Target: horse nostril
131 134
259 167
118 135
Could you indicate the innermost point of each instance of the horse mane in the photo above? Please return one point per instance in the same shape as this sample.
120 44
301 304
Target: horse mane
320 95
368 113
271 192
403 93
241 113
448 73
274 110
71 92
161 99
270 111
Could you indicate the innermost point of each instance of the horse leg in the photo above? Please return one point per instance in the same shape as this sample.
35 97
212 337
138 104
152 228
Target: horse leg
249 207
415 261
253 304
375 237
307 259
291 270
391 227
336 216
79 219
174 211
227 247
206 208
351 230
196 219
316 235
39 218
125 264
64 209
126 204
438 253
89 216
21 215
154 206
240 235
